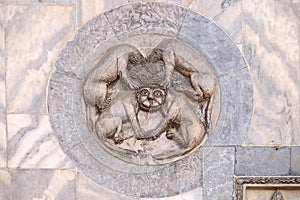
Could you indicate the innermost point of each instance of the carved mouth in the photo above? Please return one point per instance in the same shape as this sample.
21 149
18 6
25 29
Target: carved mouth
149 106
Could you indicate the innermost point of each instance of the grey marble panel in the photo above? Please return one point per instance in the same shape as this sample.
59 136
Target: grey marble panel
43 184
262 161
95 32
2 93
5 185
146 18
236 109
31 143
218 172
34 36
271 46
61 109
295 161
89 190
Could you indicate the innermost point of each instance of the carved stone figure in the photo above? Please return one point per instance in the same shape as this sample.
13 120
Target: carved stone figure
277 196
140 115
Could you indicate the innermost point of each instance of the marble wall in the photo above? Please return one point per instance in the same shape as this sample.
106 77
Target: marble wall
33 33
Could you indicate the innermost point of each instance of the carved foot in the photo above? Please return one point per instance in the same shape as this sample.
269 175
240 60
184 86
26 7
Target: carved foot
140 134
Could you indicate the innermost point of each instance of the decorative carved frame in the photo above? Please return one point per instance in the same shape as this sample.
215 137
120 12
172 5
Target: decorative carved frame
241 183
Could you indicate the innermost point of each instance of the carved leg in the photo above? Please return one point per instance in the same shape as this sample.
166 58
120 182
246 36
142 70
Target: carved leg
182 137
90 111
199 86
110 128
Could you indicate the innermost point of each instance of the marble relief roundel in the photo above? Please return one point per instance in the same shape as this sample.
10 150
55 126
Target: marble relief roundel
148 104
142 94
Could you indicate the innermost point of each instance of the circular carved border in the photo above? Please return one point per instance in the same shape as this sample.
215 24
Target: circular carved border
72 66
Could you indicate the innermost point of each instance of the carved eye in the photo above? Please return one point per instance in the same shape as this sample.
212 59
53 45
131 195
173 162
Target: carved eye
158 93
144 92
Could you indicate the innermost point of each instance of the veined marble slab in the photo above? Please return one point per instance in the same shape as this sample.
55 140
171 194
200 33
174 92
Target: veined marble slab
2 123
43 184
271 46
87 189
5 185
2 94
35 34
91 8
31 143
226 13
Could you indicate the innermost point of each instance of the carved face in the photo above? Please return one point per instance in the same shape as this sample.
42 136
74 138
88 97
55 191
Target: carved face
151 97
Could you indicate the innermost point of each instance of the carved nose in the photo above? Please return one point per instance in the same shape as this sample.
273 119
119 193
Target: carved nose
150 97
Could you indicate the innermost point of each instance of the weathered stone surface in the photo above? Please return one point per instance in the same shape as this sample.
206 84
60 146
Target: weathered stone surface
290 194
87 189
95 32
191 195
2 94
227 14
270 44
5 185
31 143
146 18
262 161
43 28
295 161
179 177
212 42
61 109
92 8
218 172
271 47
108 160
60 2
236 109
43 184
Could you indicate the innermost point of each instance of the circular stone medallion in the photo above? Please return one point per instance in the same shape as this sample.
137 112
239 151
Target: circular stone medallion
140 89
